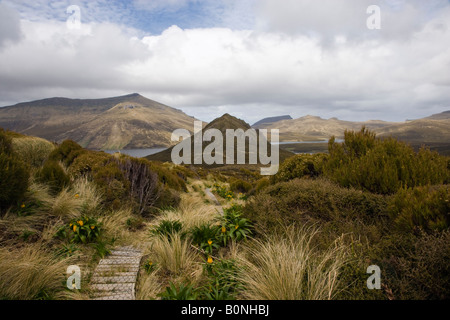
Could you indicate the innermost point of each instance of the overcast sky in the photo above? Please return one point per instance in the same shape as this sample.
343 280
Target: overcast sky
250 58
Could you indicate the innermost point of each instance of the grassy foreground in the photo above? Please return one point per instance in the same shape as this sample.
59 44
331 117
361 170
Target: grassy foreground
310 232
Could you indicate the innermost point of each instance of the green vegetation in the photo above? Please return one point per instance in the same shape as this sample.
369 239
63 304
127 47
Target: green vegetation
382 166
309 232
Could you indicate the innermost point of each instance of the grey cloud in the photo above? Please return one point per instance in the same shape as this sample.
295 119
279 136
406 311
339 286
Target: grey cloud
9 25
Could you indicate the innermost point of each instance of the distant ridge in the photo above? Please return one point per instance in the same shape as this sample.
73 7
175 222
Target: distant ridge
268 121
124 122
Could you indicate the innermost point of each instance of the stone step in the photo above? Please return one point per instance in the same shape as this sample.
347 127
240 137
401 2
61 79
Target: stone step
114 274
117 268
114 279
119 260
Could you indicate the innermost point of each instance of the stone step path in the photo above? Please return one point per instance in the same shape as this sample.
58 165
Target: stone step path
213 198
115 276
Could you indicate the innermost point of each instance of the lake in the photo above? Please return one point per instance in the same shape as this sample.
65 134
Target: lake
137 153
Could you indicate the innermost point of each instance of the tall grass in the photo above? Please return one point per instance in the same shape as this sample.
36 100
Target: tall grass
31 272
32 150
192 212
66 204
88 194
148 286
174 254
288 267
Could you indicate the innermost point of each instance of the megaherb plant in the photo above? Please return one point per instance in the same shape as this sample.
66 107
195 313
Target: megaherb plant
236 227
81 230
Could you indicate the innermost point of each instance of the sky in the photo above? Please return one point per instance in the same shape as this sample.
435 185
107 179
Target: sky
250 58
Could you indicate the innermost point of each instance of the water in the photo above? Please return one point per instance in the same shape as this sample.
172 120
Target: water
137 153
308 142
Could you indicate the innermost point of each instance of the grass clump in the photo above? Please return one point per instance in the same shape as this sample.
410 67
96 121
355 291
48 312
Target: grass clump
288 267
173 254
31 272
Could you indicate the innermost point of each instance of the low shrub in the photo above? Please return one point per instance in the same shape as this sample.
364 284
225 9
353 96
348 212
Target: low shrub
382 166
66 152
53 175
14 175
300 199
299 166
238 185
5 142
424 207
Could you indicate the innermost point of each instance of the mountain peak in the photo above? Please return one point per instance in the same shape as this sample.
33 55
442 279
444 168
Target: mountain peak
227 121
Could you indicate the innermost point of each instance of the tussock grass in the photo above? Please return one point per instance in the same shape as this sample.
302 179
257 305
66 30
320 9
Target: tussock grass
88 194
173 254
288 267
32 150
114 227
31 272
149 286
66 204
192 212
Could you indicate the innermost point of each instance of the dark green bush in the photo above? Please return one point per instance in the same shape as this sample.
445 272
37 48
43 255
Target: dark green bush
238 185
5 142
167 177
299 199
67 152
262 183
299 166
168 198
415 267
425 207
53 175
382 166
14 175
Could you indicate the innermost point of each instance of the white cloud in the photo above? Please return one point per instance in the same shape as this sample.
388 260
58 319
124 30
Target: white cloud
278 68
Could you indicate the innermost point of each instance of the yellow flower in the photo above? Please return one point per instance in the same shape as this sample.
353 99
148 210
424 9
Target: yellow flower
92 227
224 229
80 223
236 227
70 225
23 205
210 260
77 196
74 228
210 242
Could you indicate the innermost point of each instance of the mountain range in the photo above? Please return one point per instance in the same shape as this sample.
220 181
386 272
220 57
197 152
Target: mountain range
433 129
125 122
135 122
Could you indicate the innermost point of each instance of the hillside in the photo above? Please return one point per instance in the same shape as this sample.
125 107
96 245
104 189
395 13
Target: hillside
269 121
130 121
311 128
222 124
